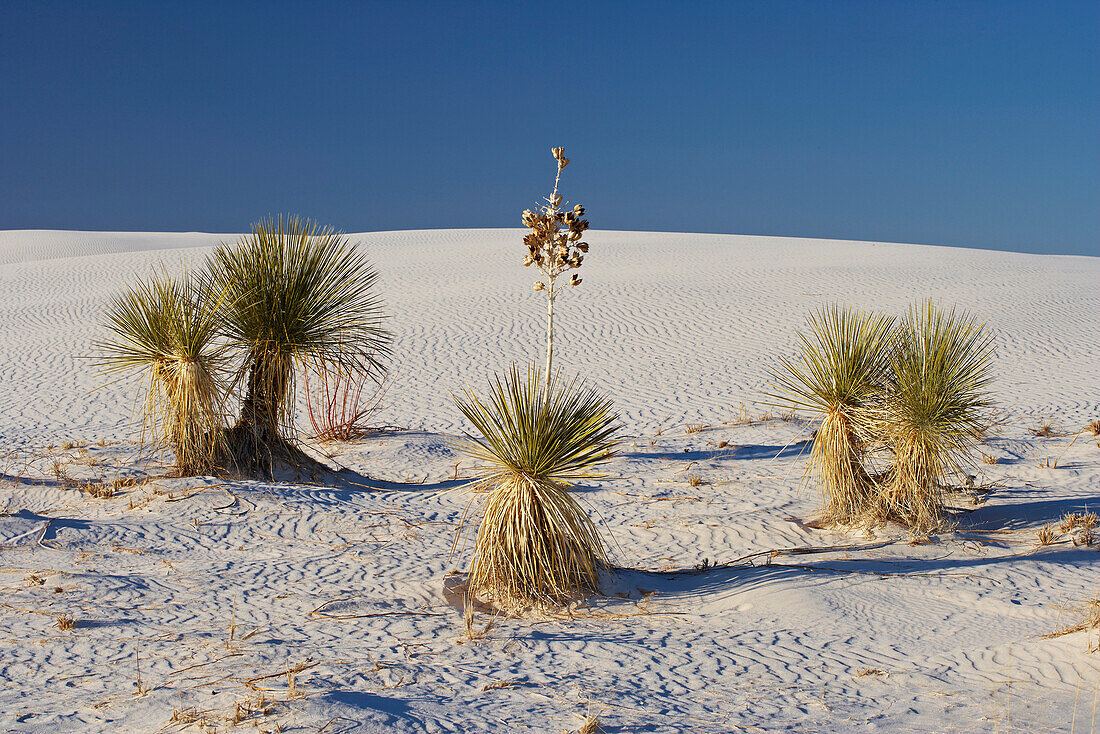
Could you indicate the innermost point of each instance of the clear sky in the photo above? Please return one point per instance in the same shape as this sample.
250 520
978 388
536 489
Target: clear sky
959 123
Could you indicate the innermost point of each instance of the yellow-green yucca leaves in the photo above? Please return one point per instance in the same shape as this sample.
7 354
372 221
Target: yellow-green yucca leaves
536 544
296 295
839 371
167 329
934 410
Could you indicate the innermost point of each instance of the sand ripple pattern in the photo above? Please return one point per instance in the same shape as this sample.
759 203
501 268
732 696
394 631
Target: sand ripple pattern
213 588
676 327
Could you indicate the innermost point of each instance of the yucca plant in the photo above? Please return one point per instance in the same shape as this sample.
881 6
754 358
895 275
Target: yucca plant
536 545
297 296
934 410
840 369
167 329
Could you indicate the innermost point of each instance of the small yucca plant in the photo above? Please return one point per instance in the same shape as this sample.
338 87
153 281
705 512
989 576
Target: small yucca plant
934 410
167 330
840 369
536 545
298 296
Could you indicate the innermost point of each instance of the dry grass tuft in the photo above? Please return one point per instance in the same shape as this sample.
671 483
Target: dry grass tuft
989 459
862 672
1085 537
1045 430
1047 534
65 622
98 490
1089 623
469 628
1094 428
591 725
536 545
191 715
62 476
1069 521
694 428
694 480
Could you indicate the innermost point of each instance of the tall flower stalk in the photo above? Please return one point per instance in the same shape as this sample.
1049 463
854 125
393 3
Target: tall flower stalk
554 245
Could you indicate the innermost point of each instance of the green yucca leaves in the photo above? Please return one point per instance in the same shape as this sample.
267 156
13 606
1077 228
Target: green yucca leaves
296 295
167 329
935 407
841 364
536 544
557 434
939 375
915 391
839 372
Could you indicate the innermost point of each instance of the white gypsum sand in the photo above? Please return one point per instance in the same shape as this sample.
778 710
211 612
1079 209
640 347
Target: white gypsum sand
209 591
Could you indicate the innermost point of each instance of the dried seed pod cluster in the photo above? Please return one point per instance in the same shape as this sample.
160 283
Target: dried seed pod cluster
554 242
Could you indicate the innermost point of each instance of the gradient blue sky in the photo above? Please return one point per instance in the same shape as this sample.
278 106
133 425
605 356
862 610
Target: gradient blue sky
958 123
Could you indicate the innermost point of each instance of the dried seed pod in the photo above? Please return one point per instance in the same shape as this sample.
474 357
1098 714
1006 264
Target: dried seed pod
539 285
582 246
574 281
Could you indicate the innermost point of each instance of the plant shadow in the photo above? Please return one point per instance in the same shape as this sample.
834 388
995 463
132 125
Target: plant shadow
736 453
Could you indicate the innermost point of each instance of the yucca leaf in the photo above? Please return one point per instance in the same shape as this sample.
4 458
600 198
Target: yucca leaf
558 434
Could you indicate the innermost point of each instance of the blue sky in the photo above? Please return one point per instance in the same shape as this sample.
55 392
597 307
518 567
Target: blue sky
959 123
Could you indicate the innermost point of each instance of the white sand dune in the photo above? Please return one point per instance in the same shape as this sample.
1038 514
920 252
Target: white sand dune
348 578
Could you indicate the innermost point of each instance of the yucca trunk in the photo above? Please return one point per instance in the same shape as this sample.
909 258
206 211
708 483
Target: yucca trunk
547 372
260 407
837 459
263 431
913 495
536 545
195 419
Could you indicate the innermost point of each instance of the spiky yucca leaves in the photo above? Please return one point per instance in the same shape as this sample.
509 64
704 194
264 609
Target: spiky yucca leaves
536 545
840 368
168 329
934 410
297 295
